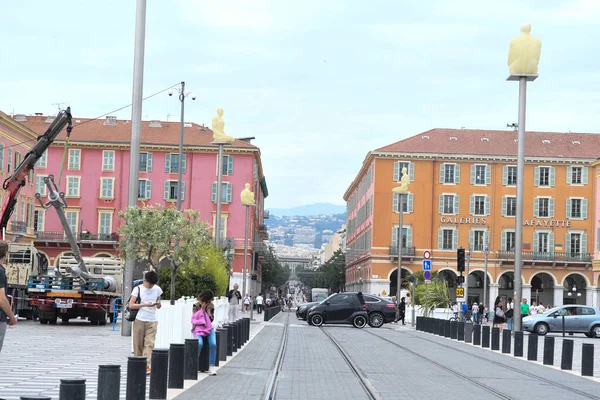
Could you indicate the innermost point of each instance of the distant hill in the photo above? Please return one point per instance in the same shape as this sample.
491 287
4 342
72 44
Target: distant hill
309 210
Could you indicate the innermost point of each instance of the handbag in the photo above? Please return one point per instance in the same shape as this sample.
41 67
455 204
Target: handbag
130 314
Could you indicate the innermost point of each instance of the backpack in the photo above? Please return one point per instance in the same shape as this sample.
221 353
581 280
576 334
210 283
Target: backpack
130 314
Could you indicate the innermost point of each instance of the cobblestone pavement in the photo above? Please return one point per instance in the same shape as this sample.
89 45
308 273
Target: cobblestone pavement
35 357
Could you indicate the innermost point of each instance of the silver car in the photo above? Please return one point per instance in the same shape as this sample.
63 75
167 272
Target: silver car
578 319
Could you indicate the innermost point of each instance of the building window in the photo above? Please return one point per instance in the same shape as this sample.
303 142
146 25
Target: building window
544 176
410 170
478 240
543 242
107 188
577 208
448 239
450 173
74 159
226 192
9 160
108 160
222 227
40 186
17 159
543 207
510 175
172 163
577 175
73 186
509 206
38 220
481 174
72 217
29 215
227 165
406 237
449 204
144 189
508 241
478 204
43 161
576 244
145 162
171 190
104 223
407 202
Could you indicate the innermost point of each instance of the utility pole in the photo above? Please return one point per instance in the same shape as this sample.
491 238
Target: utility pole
180 158
136 129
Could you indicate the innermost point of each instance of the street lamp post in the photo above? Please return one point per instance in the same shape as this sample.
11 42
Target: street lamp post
486 252
136 129
247 198
401 191
182 96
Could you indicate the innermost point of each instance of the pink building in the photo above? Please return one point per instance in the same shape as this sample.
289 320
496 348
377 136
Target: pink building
95 180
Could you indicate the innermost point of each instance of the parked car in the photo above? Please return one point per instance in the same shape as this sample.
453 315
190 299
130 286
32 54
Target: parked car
380 310
340 308
302 310
578 319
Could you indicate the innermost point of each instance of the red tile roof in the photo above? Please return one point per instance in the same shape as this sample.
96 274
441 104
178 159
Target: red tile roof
499 143
95 131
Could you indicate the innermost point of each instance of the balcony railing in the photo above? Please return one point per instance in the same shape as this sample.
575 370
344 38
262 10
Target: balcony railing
406 251
81 236
18 227
546 256
266 214
262 227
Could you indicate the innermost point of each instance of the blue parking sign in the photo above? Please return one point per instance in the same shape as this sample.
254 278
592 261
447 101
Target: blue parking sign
426 265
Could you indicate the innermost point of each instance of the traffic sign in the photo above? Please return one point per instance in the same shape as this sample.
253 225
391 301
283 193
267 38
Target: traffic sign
460 292
427 254
427 275
427 281
426 265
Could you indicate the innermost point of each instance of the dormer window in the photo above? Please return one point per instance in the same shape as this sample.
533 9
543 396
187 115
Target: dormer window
155 124
453 138
516 140
576 142
424 137
545 141
20 118
484 139
110 120
49 119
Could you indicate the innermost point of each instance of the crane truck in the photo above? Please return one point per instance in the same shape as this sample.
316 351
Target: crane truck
69 290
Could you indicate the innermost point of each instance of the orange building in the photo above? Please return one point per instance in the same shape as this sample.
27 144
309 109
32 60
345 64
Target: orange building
462 193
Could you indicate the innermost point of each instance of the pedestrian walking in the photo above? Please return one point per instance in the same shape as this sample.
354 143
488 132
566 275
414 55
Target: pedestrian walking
246 302
499 314
7 318
202 327
510 313
475 311
402 310
259 303
524 308
234 297
481 313
145 324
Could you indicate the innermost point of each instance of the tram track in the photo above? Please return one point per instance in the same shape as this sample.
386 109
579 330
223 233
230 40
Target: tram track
271 388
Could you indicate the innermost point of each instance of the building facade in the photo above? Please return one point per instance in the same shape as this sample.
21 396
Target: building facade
462 193
95 179
337 242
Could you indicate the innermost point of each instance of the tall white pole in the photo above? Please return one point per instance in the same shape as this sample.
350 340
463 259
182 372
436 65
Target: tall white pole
180 160
245 273
136 128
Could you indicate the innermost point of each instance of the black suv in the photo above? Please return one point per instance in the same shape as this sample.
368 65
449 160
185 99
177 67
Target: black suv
340 308
380 310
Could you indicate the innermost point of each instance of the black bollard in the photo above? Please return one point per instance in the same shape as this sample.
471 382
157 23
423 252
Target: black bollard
36 397
418 327
109 382
136 378
532 349
485 336
460 334
518 344
158 377
447 328
440 324
176 365
506 338
495 338
72 389
587 359
222 345
190 365
240 333
230 342
477 335
203 359
549 350
218 340
469 333
247 329
453 329
566 361
425 324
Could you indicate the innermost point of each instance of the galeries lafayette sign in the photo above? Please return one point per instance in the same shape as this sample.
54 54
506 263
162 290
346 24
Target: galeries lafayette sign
483 221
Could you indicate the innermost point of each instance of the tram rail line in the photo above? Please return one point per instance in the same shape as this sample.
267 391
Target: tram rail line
271 388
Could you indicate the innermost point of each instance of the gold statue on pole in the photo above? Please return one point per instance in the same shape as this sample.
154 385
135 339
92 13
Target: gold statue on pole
218 126
403 188
524 53
247 196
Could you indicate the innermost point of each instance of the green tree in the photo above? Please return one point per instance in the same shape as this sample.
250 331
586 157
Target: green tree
273 273
334 272
437 292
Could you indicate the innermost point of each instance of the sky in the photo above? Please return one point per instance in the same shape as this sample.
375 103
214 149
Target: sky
318 83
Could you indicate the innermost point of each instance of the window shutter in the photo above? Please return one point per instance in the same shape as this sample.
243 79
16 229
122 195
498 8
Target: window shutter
568 208
505 175
552 176
473 173
471 239
409 237
456 204
229 192
395 200
488 174
456 173
167 191
584 243
441 204
182 191
536 206
551 207
148 189
536 176
411 198
584 175
568 243
504 205
442 172
535 242
569 175
149 162
411 171
230 165
183 163
598 239
455 239
503 241
551 242
472 205
584 208
213 193
395 237
397 171
487 205
440 239
167 163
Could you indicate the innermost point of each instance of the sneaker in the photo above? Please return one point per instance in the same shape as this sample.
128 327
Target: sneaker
212 370
147 370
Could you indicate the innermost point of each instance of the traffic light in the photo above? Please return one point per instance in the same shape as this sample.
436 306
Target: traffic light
460 259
